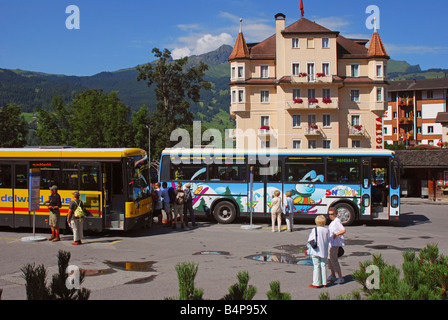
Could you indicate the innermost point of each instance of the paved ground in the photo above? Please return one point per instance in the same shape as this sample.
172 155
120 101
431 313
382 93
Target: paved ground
141 264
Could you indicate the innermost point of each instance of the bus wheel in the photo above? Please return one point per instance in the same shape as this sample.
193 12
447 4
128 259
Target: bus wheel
224 212
345 213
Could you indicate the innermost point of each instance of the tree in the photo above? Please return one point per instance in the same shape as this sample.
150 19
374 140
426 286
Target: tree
55 126
174 84
241 290
140 122
275 293
13 130
100 120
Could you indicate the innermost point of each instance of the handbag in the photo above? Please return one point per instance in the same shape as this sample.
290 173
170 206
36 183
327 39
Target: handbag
79 213
341 252
313 243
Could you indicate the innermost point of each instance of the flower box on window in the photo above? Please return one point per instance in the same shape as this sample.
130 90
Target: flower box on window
298 100
326 100
313 100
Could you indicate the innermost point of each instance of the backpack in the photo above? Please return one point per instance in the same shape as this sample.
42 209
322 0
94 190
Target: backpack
79 213
180 197
188 197
172 194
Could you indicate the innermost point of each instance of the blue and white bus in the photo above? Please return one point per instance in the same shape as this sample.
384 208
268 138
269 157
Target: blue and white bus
361 184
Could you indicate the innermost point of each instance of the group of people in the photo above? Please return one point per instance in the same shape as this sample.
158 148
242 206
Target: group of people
277 209
175 202
75 222
329 241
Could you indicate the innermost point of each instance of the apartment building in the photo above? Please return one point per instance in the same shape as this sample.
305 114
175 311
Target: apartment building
411 115
308 87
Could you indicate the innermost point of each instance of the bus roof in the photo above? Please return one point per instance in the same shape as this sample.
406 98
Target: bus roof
273 151
17 153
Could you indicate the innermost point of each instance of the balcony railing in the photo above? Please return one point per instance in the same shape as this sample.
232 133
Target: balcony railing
332 103
312 130
356 130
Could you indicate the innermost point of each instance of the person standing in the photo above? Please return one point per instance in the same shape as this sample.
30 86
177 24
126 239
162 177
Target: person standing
319 255
288 209
157 202
179 200
167 203
276 211
54 204
76 222
188 205
337 232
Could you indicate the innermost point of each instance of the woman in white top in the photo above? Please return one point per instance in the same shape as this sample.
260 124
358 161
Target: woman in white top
337 231
276 211
319 255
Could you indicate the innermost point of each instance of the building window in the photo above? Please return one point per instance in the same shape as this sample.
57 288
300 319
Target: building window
395 130
295 68
325 43
296 121
327 144
264 71
356 144
419 129
240 71
312 144
296 94
311 119
379 70
326 93
264 96
241 95
430 129
326 119
311 93
356 120
296 144
295 42
395 115
265 121
354 70
310 71
379 94
354 95
429 94
419 114
233 73
326 68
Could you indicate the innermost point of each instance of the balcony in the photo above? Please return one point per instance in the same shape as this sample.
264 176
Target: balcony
298 104
239 107
264 131
311 78
356 131
406 120
312 130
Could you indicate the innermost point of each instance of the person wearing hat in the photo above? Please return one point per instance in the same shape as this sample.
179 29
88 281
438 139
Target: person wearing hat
75 222
54 204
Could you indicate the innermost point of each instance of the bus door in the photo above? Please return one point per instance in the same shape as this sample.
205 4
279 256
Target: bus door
267 179
114 196
6 195
366 196
19 199
394 189
380 179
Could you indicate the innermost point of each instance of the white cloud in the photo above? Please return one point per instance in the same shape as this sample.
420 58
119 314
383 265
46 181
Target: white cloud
199 44
333 23
414 49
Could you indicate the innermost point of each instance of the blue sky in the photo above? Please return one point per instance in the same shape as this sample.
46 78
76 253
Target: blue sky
117 34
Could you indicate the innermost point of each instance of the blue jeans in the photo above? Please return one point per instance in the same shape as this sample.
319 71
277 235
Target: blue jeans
188 207
320 271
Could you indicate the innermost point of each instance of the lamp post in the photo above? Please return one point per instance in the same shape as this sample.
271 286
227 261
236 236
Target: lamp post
149 151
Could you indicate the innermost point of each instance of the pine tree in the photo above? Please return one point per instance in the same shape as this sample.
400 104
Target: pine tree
275 293
186 274
241 290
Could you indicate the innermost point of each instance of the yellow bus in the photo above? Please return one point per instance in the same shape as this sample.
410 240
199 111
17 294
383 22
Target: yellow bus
113 183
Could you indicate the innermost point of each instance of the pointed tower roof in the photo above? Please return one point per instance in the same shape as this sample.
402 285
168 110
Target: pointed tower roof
240 50
376 47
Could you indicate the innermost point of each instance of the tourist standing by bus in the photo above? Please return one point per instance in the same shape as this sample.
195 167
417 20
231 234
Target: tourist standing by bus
288 209
167 203
188 205
337 231
276 211
319 255
179 200
157 202
74 221
54 204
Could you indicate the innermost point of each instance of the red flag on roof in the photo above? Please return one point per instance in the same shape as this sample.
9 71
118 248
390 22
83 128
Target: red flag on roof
301 8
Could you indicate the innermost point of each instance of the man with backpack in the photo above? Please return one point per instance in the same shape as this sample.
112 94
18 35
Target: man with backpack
188 205
179 200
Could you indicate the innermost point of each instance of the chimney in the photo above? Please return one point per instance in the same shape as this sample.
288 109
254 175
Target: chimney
279 22
280 45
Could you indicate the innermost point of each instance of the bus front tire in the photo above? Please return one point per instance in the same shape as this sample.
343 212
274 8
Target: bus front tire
224 212
345 213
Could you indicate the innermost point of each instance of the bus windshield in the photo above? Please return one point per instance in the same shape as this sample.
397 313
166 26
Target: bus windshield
138 175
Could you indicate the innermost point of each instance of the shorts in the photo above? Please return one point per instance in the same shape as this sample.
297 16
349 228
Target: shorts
53 219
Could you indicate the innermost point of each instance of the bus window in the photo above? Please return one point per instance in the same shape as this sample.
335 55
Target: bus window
188 172
138 176
343 169
230 172
69 179
5 176
275 174
49 177
89 177
21 177
305 169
